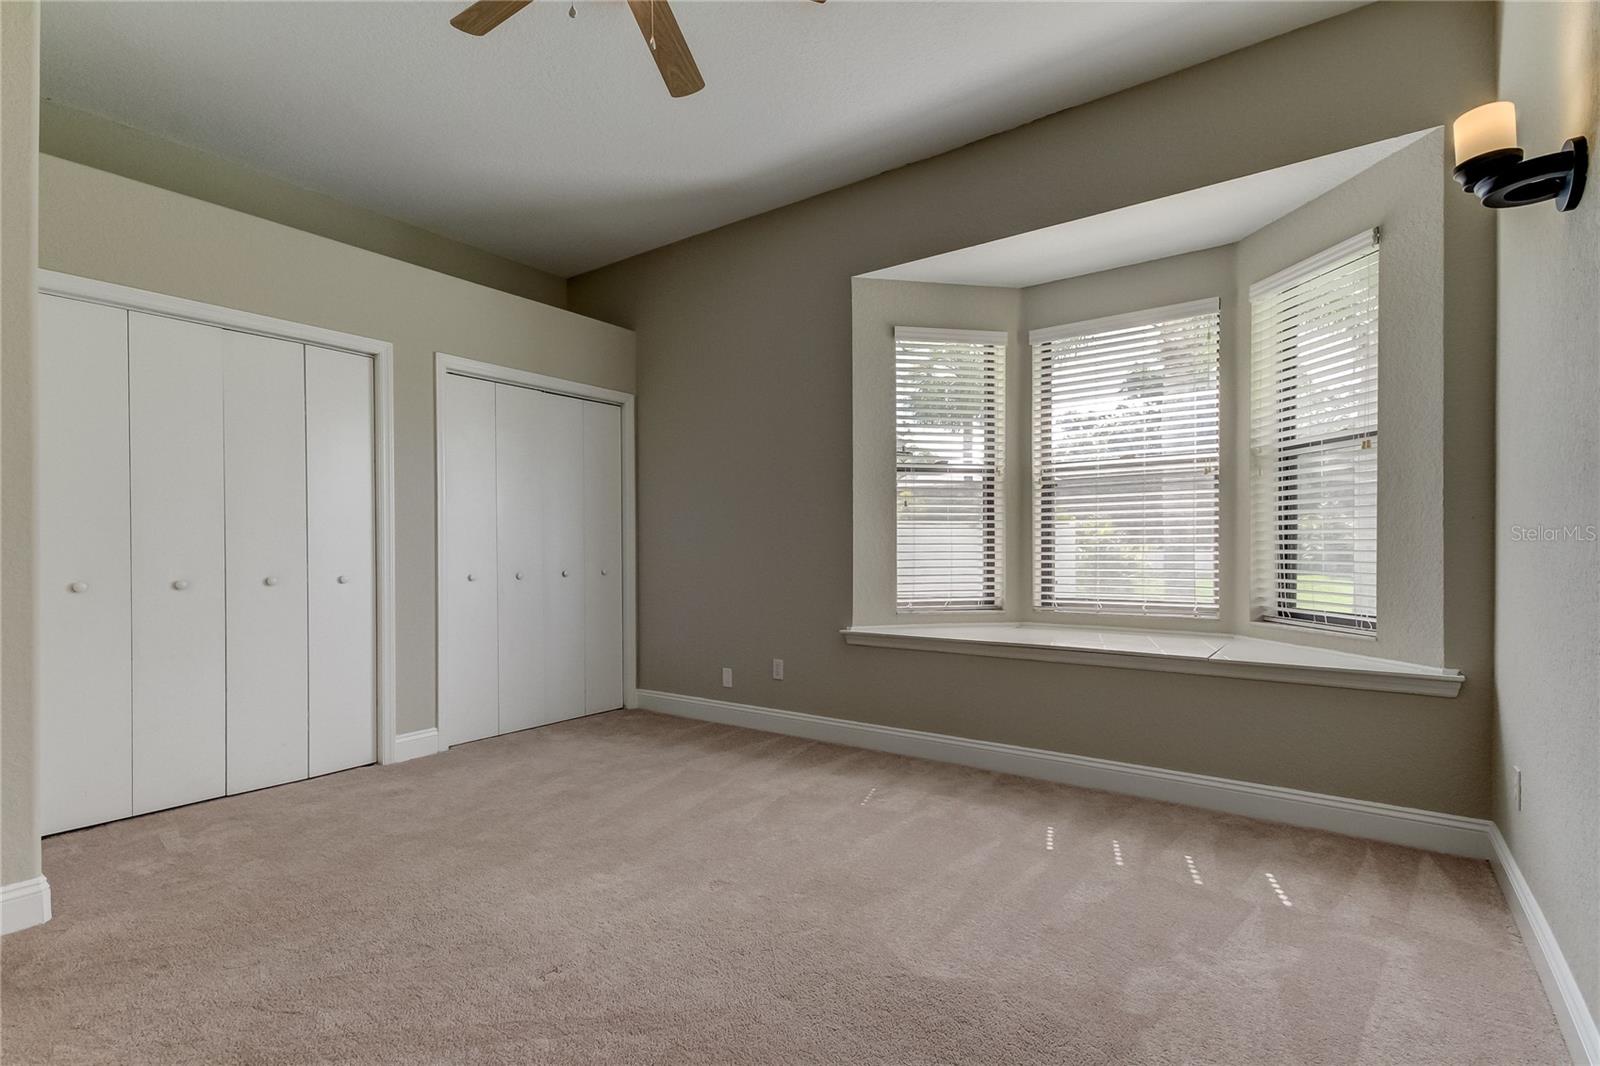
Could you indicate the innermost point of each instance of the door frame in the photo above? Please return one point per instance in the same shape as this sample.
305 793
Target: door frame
445 365
72 287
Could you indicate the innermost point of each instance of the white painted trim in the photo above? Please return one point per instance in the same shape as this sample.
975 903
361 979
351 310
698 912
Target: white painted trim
446 364
1349 248
1408 826
1228 655
1572 1013
1208 305
415 745
380 352
24 904
914 334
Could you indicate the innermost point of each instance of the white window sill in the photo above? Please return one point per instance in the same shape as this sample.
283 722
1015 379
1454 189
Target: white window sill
1215 654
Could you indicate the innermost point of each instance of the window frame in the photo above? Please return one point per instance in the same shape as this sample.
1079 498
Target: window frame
992 475
1038 442
1268 604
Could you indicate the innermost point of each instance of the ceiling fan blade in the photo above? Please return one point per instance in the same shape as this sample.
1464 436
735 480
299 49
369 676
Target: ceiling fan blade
485 15
669 49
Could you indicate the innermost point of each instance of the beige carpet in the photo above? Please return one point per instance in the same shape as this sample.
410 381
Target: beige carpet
638 889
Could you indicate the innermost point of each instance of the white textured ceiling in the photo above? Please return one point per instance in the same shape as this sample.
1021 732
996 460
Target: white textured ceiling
552 140
1190 221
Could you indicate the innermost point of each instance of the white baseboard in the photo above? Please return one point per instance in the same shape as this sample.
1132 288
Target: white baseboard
1432 831
1577 1023
416 744
24 904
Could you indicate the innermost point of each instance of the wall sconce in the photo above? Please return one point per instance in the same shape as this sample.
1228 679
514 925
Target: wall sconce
1490 166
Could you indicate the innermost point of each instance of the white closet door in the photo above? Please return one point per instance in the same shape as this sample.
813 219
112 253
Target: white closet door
84 665
469 681
340 502
602 523
561 447
176 441
520 485
263 385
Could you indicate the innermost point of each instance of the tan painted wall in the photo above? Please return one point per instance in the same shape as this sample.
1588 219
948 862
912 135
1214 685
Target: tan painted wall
19 101
109 145
745 421
1548 591
99 225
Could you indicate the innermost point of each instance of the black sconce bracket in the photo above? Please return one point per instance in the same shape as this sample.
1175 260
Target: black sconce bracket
1503 178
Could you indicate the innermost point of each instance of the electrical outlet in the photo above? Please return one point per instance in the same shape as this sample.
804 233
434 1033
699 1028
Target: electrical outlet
1517 770
727 677
777 669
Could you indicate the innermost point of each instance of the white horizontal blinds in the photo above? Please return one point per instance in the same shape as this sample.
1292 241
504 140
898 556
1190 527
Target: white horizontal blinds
1314 439
949 414
1125 457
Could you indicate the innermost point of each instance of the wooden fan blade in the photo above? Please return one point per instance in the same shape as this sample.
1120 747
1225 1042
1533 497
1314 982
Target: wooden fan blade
485 15
671 51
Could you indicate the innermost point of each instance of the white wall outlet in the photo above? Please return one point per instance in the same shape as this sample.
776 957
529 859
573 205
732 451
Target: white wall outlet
1517 770
727 677
777 669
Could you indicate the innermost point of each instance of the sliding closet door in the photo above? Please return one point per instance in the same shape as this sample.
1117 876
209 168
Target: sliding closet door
175 444
264 398
469 672
520 485
560 447
84 664
342 575
602 523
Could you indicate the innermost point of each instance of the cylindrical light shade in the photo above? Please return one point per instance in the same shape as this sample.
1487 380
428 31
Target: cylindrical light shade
1489 128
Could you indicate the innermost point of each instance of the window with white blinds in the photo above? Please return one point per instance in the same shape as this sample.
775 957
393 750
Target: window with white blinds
1125 458
1314 439
949 416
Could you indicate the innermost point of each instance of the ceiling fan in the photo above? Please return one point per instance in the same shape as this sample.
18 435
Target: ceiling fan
656 21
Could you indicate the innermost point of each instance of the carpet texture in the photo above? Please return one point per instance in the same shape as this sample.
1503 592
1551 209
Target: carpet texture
633 888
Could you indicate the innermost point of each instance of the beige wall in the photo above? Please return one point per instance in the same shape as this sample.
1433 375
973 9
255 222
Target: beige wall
108 145
745 421
99 225
19 101
1548 591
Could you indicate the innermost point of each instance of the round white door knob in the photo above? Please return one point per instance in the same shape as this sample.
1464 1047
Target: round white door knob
472 577
77 586
343 580
519 575
269 582
180 584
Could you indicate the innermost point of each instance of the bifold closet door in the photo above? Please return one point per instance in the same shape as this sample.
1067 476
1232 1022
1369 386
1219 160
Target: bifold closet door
264 402
175 462
84 616
520 484
469 685
560 451
340 500
602 523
